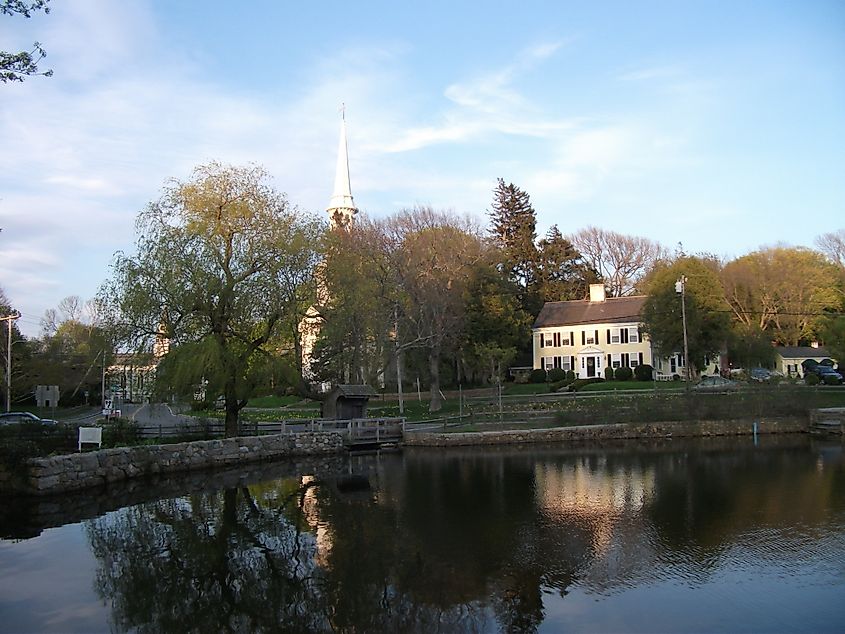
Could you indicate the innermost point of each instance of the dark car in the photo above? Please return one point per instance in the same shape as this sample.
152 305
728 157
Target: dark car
824 371
12 418
760 375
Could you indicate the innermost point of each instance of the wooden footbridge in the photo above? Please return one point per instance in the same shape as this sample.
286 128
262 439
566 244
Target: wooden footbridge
357 432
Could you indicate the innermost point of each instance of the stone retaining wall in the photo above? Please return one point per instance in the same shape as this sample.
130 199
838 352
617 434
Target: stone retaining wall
609 432
83 470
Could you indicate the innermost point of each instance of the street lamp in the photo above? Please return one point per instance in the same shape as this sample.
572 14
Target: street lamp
9 319
680 288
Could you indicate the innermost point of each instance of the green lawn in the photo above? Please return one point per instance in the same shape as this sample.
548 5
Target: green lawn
274 401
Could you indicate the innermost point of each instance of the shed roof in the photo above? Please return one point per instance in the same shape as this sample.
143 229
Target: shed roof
582 311
352 391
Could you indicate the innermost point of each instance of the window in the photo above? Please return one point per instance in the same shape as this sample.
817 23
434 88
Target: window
591 339
549 363
566 339
566 363
633 334
614 336
633 362
617 360
548 338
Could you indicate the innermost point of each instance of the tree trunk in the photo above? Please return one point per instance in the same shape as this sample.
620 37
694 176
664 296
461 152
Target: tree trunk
232 409
434 370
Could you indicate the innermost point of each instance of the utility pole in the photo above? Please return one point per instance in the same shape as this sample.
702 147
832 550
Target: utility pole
9 319
680 287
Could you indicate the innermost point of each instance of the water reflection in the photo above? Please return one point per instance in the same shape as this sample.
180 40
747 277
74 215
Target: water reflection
510 540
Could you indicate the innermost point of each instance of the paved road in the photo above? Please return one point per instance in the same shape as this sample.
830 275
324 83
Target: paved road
155 415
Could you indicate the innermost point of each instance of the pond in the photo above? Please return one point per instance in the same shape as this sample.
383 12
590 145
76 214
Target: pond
675 536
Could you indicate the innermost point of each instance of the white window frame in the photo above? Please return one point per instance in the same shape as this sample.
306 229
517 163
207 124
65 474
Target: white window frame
633 334
616 360
590 337
615 336
548 340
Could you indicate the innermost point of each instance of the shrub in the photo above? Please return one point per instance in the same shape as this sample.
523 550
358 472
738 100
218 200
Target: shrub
676 377
623 374
829 379
556 375
570 375
577 384
538 376
644 372
608 373
121 432
811 379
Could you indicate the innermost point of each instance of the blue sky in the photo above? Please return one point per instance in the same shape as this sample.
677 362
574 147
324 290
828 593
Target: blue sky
719 125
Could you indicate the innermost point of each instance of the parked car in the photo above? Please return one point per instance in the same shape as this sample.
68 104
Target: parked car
716 384
824 371
12 418
760 375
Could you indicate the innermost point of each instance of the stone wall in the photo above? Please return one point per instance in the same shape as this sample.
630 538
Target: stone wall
609 432
83 470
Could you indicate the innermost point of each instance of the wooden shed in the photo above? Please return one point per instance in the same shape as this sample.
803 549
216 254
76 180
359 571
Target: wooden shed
347 401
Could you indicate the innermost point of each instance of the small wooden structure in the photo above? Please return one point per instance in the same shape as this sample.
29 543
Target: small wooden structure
346 402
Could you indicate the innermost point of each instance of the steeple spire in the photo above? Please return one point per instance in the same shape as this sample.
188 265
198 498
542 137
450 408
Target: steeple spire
341 207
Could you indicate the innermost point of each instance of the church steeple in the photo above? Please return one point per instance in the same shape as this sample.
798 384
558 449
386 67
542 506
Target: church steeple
342 208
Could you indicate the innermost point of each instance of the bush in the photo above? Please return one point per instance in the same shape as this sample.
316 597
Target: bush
676 377
577 384
538 376
120 433
570 375
623 374
608 373
556 375
644 372
829 379
811 379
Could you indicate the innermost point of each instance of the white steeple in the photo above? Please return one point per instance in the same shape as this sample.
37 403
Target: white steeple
341 207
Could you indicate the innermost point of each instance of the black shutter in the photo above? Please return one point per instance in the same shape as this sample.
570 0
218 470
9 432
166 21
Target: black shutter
542 340
608 335
583 338
597 338
641 358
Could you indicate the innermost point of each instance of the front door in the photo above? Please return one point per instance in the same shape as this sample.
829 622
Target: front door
591 367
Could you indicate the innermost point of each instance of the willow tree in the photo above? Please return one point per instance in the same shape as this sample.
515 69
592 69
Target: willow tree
224 269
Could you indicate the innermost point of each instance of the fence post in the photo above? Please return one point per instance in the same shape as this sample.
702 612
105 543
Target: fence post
159 431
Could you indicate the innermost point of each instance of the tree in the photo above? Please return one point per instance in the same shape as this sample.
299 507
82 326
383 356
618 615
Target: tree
514 224
496 328
358 312
783 291
832 245
833 335
561 273
621 261
16 66
434 257
225 266
707 313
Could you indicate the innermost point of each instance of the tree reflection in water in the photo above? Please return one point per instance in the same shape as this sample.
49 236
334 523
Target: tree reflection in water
463 541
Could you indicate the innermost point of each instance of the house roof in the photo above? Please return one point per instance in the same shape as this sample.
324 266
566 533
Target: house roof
801 352
582 311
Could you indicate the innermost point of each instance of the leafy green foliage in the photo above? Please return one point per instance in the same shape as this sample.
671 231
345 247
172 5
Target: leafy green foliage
538 375
812 379
608 373
557 374
225 268
708 321
644 372
623 374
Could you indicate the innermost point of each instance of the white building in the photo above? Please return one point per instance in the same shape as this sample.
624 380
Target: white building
587 336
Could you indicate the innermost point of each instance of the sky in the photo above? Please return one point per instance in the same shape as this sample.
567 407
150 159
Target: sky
717 125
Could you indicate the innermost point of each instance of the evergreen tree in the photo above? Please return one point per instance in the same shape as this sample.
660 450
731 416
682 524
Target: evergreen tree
561 272
514 224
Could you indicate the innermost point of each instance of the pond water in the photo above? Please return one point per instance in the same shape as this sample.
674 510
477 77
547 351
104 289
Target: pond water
677 536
